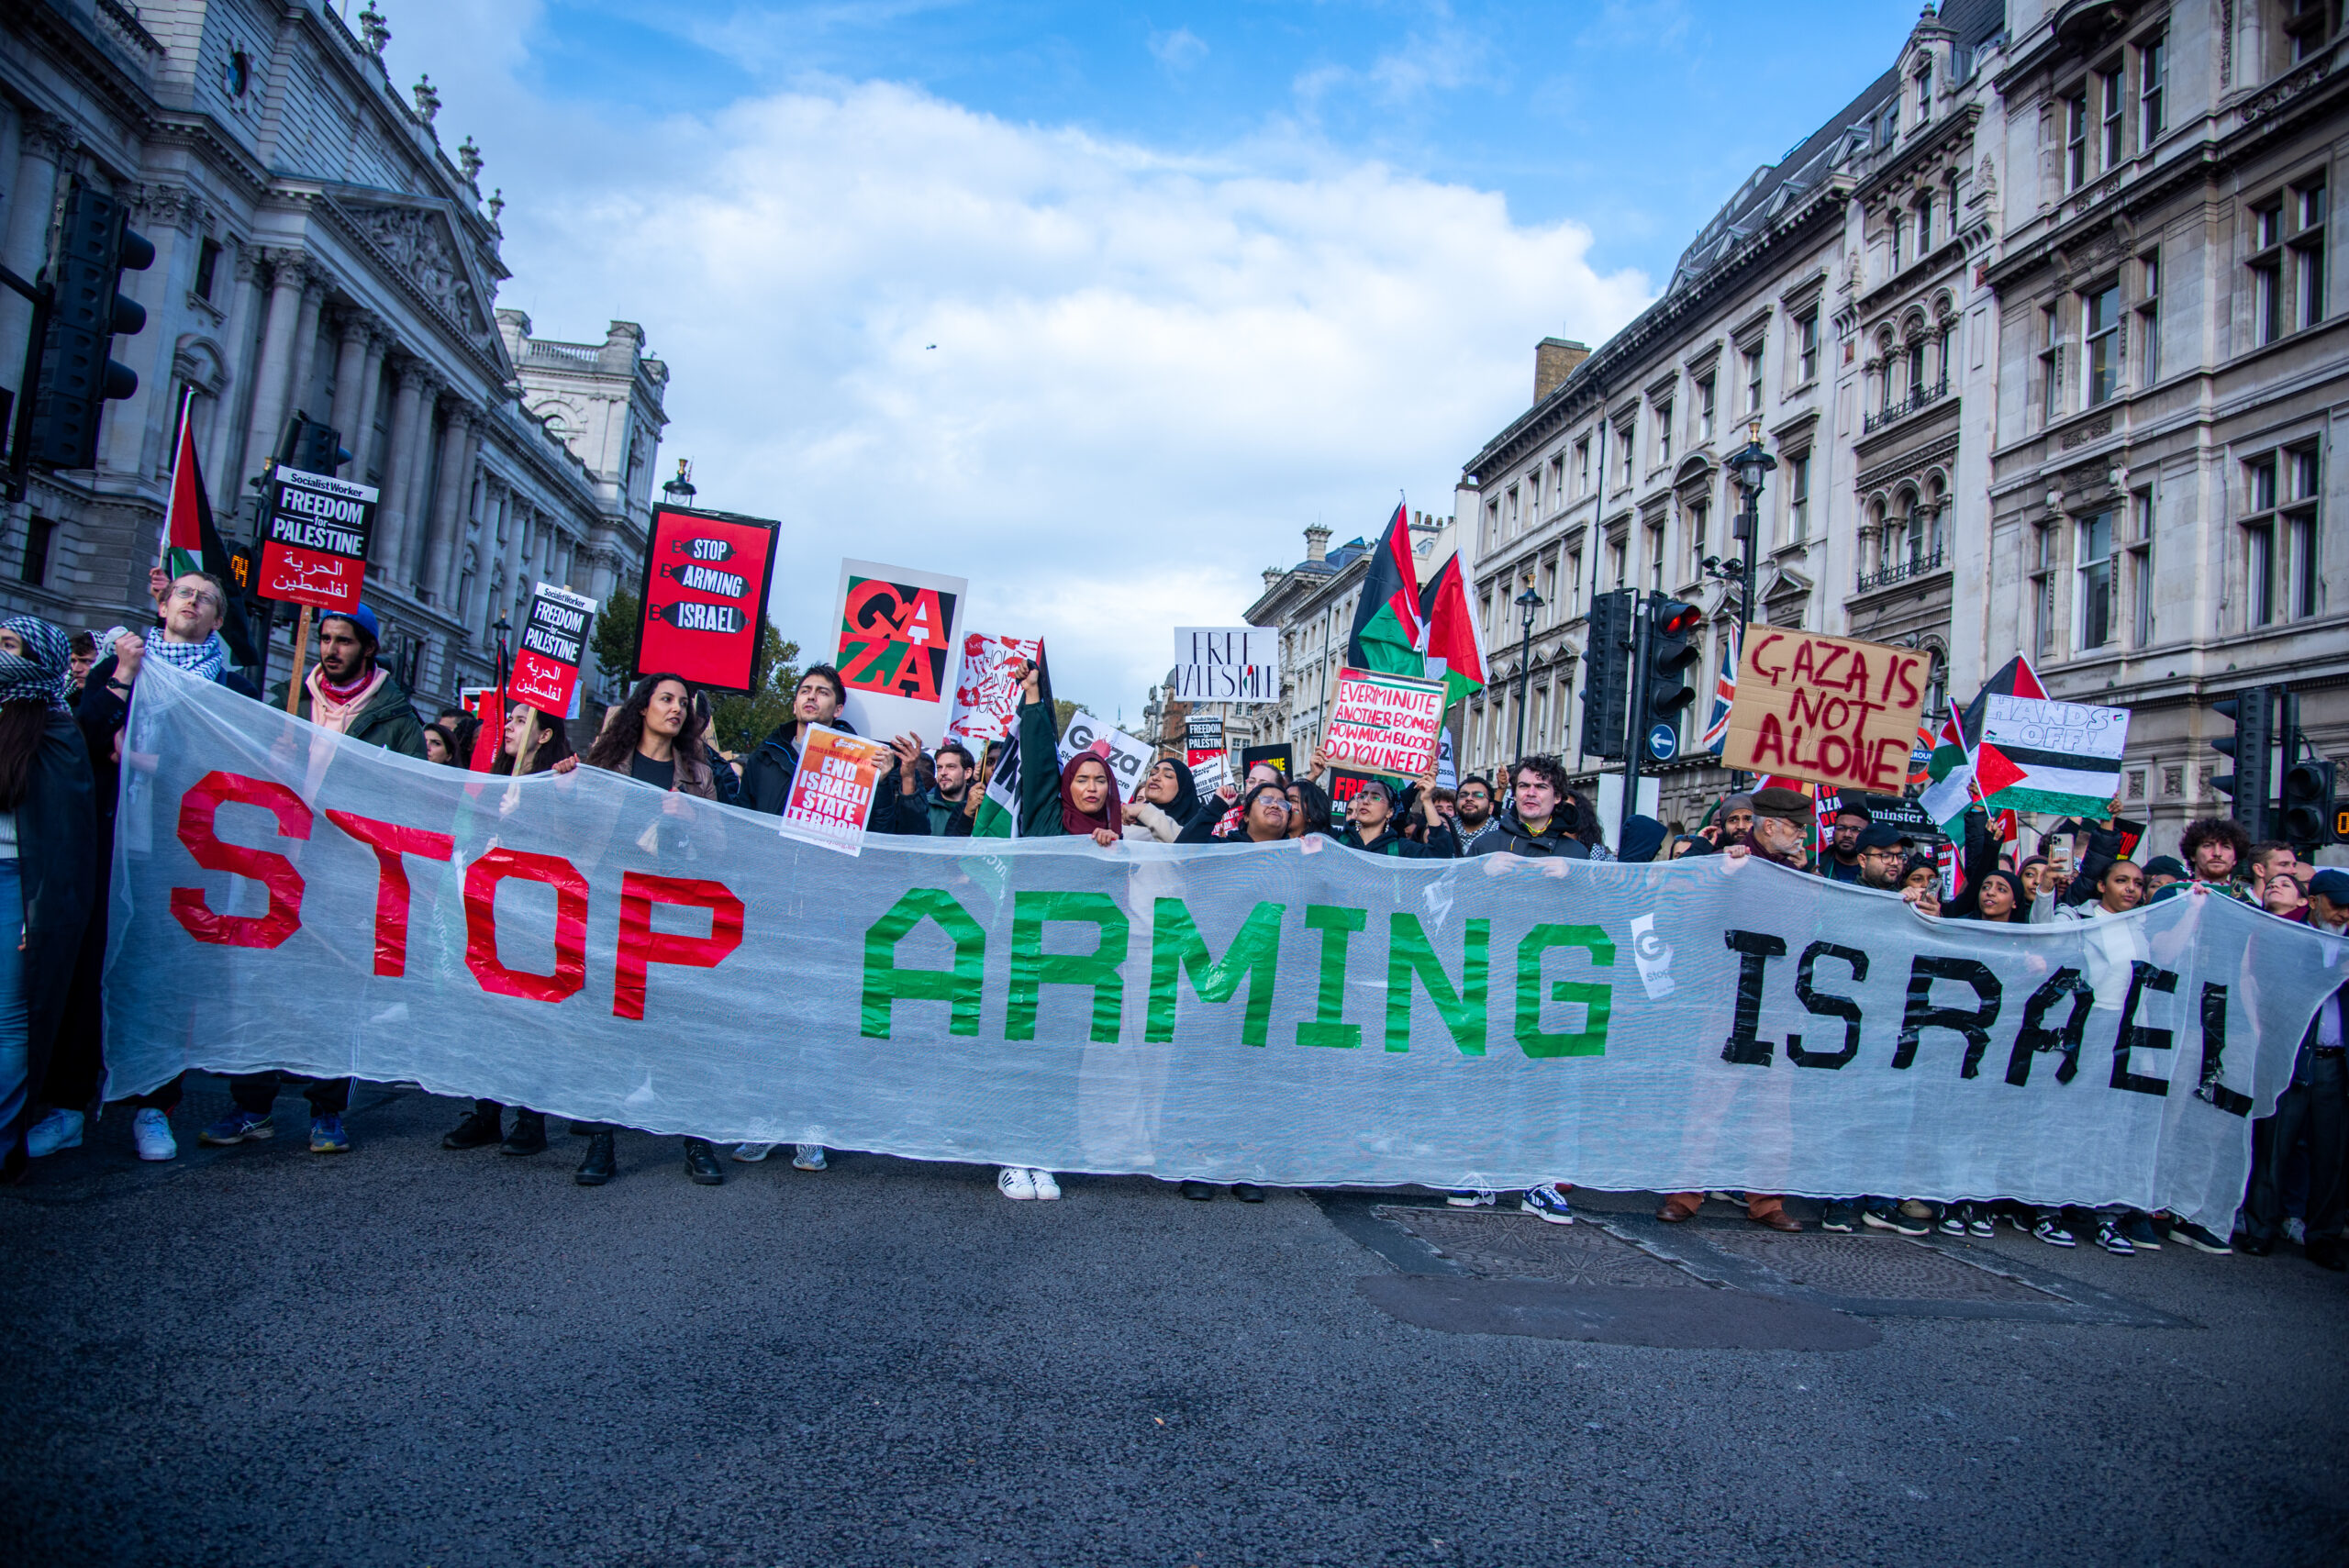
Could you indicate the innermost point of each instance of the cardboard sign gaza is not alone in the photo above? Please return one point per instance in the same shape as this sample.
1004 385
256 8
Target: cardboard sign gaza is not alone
1827 710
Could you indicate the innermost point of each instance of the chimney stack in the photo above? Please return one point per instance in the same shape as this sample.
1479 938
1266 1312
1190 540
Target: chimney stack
1554 358
1317 543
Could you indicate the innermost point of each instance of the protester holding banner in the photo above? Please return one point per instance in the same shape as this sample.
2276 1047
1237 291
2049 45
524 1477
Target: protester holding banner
48 832
1309 810
936 810
350 694
2216 848
1370 825
1534 824
550 746
1166 803
766 776
1473 819
656 738
1263 820
189 609
440 746
2314 1107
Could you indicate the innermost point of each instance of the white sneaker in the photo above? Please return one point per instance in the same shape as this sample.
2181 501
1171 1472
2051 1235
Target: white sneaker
1014 1182
58 1129
807 1157
150 1133
752 1153
1043 1183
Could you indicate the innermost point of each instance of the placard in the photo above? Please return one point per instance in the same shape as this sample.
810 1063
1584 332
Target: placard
1385 723
1277 755
705 576
831 794
1207 769
1127 758
314 542
1203 732
548 654
1829 710
899 629
986 687
1227 663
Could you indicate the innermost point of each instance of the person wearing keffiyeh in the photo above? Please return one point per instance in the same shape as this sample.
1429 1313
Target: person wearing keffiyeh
47 866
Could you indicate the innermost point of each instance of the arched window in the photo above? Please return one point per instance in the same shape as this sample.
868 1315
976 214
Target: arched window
1936 514
1900 538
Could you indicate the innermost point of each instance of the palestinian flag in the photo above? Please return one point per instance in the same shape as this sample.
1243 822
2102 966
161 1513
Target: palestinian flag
1950 770
1389 635
1455 644
191 543
2034 754
998 816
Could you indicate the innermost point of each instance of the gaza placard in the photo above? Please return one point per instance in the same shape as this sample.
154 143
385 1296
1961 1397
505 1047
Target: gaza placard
1827 710
899 631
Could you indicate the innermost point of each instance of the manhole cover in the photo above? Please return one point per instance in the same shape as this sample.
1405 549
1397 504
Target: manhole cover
1864 1268
1505 1244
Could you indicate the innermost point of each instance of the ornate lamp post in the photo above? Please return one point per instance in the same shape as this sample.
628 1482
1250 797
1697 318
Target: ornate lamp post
1529 604
1749 465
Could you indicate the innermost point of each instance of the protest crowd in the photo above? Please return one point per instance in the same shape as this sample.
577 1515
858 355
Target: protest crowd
65 700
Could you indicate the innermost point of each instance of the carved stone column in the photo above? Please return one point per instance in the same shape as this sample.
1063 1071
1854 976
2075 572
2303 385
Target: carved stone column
360 435
400 456
518 519
42 148
449 506
273 376
414 481
349 376
302 371
225 457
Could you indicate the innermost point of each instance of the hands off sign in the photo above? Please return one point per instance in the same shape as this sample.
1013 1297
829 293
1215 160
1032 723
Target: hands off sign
1825 708
1385 723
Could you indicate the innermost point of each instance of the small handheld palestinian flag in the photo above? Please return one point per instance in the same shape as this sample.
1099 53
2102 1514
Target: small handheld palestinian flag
1950 767
190 542
2033 754
1388 635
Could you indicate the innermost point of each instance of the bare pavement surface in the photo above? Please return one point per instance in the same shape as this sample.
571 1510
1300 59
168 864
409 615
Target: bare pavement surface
406 1356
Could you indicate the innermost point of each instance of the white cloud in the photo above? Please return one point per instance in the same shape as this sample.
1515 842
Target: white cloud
1150 371
1178 51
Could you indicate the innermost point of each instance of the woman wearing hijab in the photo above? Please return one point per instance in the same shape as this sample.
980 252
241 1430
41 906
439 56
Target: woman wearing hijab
48 871
1164 808
1641 838
1078 799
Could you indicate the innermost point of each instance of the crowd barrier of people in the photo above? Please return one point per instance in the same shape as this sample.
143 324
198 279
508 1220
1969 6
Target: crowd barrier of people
64 701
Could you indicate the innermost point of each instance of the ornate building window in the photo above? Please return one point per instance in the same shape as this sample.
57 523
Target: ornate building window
2153 89
2093 568
2076 140
2101 332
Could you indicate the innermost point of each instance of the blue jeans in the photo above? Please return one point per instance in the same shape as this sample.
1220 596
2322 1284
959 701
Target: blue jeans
15 1032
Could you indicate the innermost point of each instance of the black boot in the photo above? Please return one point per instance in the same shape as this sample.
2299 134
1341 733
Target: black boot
529 1134
599 1166
701 1163
1199 1192
479 1129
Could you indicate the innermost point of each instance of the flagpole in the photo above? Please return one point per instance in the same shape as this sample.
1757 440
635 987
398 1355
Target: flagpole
179 441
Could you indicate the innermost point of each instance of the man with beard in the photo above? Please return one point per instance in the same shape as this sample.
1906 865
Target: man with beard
937 811
1841 861
1473 817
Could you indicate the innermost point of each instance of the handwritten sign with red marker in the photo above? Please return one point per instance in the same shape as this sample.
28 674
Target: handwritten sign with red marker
1825 708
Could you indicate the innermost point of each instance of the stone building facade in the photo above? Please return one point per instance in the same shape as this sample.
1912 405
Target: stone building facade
2172 359
317 250
1832 311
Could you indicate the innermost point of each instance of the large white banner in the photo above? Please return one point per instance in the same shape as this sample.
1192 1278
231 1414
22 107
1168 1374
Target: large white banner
1290 1013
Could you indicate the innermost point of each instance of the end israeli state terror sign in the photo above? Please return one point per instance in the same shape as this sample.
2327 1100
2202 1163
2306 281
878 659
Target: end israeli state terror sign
314 547
705 590
553 645
1827 710
1233 663
1385 723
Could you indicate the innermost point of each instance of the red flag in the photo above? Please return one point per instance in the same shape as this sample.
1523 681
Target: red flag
1452 634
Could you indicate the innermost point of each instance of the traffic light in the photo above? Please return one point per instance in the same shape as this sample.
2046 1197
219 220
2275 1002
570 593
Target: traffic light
1672 647
86 312
1607 675
313 448
2308 809
2250 747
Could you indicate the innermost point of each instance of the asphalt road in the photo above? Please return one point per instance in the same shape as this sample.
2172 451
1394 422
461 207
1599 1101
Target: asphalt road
407 1356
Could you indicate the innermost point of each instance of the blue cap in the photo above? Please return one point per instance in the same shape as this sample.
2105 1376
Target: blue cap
361 617
2331 883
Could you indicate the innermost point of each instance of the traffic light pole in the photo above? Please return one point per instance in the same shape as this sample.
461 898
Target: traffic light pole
20 439
1637 712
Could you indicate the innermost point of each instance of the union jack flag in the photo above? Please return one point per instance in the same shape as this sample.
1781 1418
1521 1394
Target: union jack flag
1724 695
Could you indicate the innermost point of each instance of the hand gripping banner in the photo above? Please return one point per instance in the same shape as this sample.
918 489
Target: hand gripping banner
1292 1013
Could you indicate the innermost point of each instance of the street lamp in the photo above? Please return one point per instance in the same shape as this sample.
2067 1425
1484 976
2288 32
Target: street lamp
679 492
1749 465
1529 604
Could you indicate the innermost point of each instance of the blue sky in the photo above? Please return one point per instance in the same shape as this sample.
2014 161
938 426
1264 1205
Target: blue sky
1198 276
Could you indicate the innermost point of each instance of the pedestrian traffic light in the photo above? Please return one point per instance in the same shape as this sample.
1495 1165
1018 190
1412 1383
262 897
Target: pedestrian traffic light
2307 807
1670 648
86 311
1607 675
2253 741
313 448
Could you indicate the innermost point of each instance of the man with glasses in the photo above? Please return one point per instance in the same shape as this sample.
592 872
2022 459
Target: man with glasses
1473 819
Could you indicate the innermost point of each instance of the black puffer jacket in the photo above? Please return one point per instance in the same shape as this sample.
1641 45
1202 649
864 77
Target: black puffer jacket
1514 838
